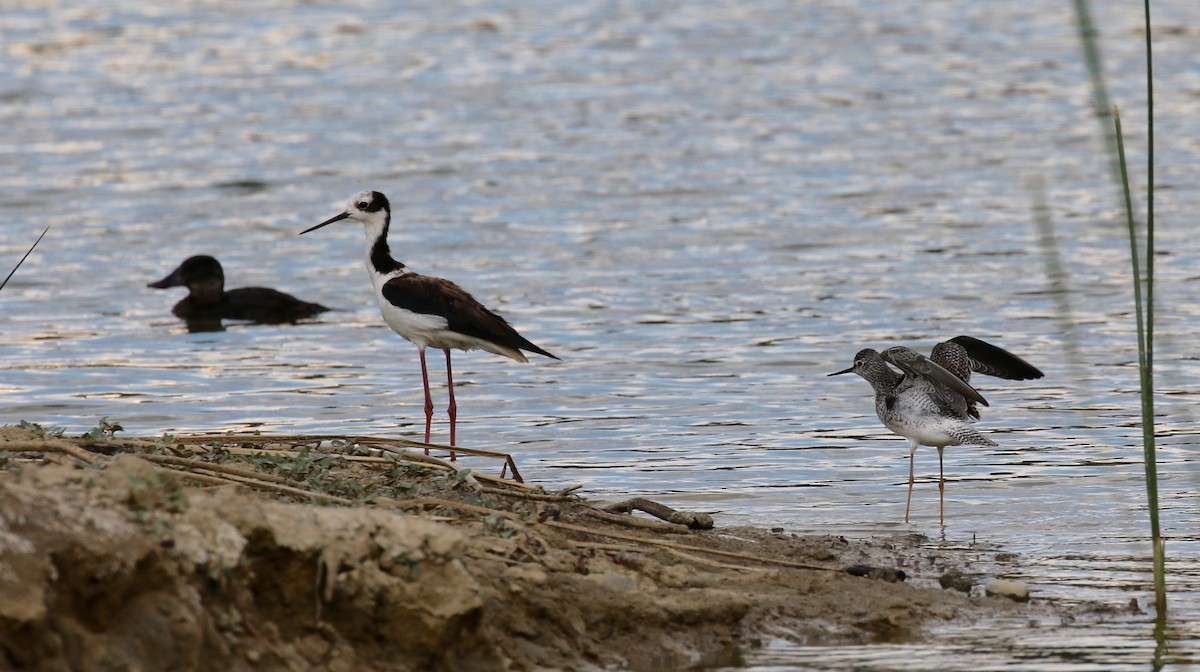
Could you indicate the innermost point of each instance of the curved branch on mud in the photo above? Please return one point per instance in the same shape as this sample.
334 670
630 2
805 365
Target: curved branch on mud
695 521
638 523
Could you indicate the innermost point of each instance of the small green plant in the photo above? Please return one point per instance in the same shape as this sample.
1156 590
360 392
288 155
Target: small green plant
47 431
105 431
158 492
218 453
499 525
229 619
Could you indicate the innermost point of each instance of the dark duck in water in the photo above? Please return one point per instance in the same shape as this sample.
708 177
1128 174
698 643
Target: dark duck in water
207 302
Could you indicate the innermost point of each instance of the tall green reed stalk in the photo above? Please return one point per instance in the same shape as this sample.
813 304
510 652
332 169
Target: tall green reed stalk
1144 304
1146 371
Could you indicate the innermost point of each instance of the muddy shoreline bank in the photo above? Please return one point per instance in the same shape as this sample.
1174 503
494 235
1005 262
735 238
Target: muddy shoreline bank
338 555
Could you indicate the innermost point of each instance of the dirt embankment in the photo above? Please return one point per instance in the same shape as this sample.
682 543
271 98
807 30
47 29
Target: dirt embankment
143 560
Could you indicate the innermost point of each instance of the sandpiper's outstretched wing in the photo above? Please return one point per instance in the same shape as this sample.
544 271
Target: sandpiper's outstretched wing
993 360
949 386
954 358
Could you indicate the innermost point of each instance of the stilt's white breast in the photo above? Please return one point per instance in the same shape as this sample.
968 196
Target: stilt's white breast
423 330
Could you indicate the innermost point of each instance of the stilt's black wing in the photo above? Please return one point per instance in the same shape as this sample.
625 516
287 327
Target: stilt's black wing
463 313
993 360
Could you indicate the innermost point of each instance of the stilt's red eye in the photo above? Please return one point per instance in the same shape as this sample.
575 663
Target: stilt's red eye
362 205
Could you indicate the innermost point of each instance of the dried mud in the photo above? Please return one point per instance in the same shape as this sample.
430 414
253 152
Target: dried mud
129 564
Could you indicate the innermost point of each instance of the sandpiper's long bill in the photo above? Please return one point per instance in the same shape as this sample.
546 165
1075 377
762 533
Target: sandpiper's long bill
930 401
427 311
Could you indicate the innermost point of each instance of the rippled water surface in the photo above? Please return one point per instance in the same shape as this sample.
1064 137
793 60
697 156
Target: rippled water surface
702 207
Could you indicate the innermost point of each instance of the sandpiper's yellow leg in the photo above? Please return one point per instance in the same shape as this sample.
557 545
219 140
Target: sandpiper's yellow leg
941 488
912 451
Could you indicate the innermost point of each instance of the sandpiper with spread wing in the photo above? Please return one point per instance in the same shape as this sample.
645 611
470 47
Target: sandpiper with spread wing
930 401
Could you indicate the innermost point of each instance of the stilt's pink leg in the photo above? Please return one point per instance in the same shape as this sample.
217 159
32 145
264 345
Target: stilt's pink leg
453 409
428 399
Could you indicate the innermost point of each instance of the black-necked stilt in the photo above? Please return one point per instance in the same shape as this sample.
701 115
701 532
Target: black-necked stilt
931 402
207 302
429 312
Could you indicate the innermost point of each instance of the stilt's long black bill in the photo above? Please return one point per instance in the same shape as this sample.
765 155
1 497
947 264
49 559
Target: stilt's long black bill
838 373
10 273
327 222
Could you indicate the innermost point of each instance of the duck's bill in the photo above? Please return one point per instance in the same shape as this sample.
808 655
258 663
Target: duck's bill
327 222
175 279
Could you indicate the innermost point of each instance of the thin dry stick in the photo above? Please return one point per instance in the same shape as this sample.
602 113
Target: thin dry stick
509 463
415 458
401 454
465 474
115 443
713 563
686 547
535 496
447 504
281 452
364 440
48 446
504 481
210 466
201 478
623 548
260 484
432 463
249 625
381 461
35 244
288 490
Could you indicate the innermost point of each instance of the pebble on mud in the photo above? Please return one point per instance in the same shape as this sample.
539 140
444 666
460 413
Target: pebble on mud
956 580
888 575
1013 590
